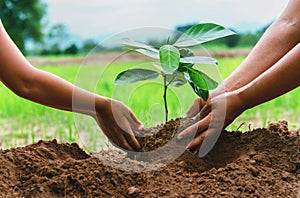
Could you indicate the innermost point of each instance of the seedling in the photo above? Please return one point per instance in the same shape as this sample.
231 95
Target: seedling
177 61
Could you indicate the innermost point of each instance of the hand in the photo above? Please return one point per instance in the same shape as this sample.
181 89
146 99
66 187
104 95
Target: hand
199 103
195 108
118 124
216 115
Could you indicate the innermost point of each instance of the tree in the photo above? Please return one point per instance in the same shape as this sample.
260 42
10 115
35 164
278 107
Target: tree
232 41
23 20
88 45
55 39
72 49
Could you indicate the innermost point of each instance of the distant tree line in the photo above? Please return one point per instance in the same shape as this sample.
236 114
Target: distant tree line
57 41
25 21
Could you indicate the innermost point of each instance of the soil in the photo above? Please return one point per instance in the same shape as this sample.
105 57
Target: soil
258 163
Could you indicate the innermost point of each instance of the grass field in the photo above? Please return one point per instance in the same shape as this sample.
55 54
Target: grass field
23 122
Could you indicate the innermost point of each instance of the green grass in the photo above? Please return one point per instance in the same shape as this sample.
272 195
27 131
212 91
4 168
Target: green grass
23 122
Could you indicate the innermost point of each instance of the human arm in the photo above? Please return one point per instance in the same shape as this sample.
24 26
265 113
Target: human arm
50 90
277 41
281 78
280 38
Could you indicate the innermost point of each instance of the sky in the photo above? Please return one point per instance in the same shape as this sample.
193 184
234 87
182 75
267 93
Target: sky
99 18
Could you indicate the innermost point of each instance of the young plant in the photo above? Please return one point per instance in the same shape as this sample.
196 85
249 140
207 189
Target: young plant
177 61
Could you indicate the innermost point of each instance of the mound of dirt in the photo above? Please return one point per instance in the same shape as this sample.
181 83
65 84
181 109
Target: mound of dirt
260 163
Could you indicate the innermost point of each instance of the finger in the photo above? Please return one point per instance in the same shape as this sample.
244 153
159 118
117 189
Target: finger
198 127
195 108
205 111
122 143
117 137
195 144
195 151
131 138
104 129
135 123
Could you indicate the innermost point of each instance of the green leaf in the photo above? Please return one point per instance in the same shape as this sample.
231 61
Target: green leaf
200 92
186 52
158 67
204 94
177 79
200 79
135 75
148 53
136 44
169 58
202 33
183 68
199 60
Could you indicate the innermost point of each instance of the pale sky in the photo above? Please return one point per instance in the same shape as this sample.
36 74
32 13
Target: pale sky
94 18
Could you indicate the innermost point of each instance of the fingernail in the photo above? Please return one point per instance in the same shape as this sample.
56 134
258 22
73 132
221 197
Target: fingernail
179 137
141 127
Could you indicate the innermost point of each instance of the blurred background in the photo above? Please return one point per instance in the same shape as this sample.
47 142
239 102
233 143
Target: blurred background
42 27
65 36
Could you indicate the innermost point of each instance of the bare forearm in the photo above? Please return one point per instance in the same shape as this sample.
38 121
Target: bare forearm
53 91
39 86
279 79
279 39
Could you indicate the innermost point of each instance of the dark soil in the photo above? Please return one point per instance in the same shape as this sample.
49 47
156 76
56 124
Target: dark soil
260 163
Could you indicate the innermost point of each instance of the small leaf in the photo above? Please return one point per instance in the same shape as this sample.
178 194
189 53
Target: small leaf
158 67
135 75
204 94
169 58
136 44
183 68
186 52
199 60
177 79
200 79
202 33
148 53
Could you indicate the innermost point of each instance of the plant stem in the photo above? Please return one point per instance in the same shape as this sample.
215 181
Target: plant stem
165 96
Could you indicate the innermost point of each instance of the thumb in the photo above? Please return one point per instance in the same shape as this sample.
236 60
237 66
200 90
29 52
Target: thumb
135 123
195 108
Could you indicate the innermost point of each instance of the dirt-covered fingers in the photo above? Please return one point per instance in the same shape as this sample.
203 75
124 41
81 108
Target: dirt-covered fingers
119 137
195 129
131 140
195 108
122 143
195 145
121 140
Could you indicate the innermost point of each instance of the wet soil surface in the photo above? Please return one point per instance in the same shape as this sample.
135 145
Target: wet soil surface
260 163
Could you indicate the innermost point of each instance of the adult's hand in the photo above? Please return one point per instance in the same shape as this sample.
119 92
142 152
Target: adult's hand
195 108
217 114
118 123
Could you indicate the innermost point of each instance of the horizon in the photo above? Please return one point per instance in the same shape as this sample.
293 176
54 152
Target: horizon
83 19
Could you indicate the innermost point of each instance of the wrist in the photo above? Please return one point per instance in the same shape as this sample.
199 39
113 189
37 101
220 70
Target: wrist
101 104
241 99
218 91
235 105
